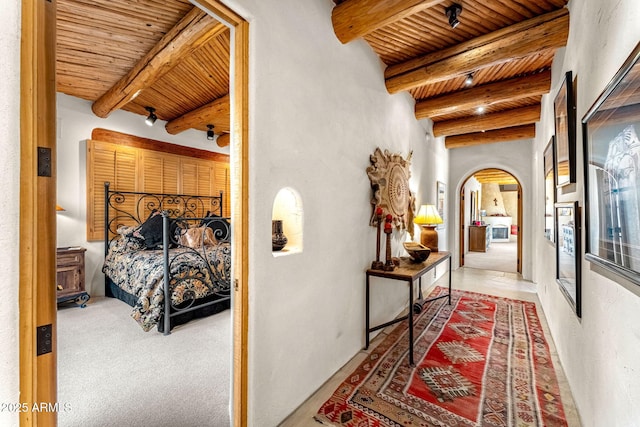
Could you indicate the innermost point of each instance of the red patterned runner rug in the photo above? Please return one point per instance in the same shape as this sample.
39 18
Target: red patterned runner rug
481 361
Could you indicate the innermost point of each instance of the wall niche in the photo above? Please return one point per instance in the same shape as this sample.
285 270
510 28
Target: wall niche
287 207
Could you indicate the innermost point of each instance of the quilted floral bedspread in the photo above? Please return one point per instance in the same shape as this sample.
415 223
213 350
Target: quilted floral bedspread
194 274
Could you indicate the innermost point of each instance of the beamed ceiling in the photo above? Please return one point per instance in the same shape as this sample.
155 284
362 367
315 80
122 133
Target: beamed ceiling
171 56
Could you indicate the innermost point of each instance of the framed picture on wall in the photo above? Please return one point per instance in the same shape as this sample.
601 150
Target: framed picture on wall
549 191
564 108
568 253
441 191
612 173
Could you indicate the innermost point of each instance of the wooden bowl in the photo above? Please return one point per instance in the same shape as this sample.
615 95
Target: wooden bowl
417 252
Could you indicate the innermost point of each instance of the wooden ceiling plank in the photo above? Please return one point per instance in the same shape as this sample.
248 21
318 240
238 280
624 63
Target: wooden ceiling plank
499 120
217 113
554 23
194 30
502 91
356 18
490 137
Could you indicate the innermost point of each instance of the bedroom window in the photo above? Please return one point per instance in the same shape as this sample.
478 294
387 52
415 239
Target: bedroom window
287 206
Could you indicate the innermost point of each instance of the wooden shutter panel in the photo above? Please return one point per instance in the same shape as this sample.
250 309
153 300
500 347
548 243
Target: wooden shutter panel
189 177
111 163
205 178
221 183
100 169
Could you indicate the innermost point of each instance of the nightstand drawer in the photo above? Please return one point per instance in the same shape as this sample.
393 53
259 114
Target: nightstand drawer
69 259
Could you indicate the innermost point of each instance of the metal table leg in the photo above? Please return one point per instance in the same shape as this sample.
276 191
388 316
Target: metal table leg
366 346
410 315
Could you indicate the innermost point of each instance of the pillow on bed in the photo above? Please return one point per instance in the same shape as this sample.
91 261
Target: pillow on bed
127 242
196 237
150 231
220 226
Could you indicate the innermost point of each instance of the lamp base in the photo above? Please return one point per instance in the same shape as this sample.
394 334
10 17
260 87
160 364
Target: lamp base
429 237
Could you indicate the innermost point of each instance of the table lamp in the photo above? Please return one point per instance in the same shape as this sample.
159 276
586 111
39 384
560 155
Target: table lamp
427 219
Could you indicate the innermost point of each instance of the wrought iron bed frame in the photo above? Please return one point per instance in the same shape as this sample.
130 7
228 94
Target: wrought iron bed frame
181 210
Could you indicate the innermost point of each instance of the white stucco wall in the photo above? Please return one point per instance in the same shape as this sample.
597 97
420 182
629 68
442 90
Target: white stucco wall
75 122
599 352
318 111
513 157
9 221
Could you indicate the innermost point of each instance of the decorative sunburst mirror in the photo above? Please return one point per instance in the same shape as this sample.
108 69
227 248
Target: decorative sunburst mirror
389 175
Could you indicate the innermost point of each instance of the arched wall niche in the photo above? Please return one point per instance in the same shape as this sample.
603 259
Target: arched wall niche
287 207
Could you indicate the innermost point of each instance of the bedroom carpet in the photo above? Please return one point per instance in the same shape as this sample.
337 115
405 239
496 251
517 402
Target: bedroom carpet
112 373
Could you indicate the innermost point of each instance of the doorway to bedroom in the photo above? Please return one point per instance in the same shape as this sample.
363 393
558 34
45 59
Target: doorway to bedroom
491 220
38 376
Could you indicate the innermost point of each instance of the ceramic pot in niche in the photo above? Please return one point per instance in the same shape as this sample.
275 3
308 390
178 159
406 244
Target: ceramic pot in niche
278 239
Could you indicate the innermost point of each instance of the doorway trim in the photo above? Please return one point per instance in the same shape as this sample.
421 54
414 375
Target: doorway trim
461 212
37 302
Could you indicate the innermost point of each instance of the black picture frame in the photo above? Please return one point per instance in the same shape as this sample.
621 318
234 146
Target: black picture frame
612 173
564 110
549 191
568 273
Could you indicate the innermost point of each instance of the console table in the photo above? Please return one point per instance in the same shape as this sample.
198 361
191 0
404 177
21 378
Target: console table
408 271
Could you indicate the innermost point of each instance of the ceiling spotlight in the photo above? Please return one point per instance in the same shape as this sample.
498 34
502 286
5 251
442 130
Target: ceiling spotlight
469 80
151 118
452 13
480 110
210 134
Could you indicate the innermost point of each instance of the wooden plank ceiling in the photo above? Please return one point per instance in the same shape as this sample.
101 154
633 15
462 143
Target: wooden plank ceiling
506 46
169 55
164 54
494 176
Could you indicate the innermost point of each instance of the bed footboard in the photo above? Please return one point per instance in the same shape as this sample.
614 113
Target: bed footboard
196 278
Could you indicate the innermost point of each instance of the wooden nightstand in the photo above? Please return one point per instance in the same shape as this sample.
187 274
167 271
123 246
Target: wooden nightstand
70 276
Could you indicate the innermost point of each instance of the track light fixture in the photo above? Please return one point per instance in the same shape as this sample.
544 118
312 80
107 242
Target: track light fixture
151 118
469 80
452 13
210 134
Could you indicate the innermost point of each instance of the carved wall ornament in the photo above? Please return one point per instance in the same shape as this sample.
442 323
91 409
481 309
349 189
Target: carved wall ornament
389 175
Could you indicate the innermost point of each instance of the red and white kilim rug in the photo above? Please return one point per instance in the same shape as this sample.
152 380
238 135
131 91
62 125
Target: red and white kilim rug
481 361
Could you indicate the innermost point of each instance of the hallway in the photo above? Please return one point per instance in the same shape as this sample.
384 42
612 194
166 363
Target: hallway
508 285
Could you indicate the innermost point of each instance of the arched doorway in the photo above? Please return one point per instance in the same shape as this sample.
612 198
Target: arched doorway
490 218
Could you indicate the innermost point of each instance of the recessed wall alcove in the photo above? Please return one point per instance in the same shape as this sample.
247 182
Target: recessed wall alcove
287 206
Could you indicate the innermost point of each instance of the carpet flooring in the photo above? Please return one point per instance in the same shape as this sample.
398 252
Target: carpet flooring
112 373
501 256
481 361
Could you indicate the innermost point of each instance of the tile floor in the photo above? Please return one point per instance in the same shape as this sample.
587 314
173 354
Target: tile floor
509 285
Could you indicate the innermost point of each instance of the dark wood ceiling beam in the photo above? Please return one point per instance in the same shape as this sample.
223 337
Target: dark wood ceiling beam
490 137
194 30
502 91
216 113
499 120
356 18
511 43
